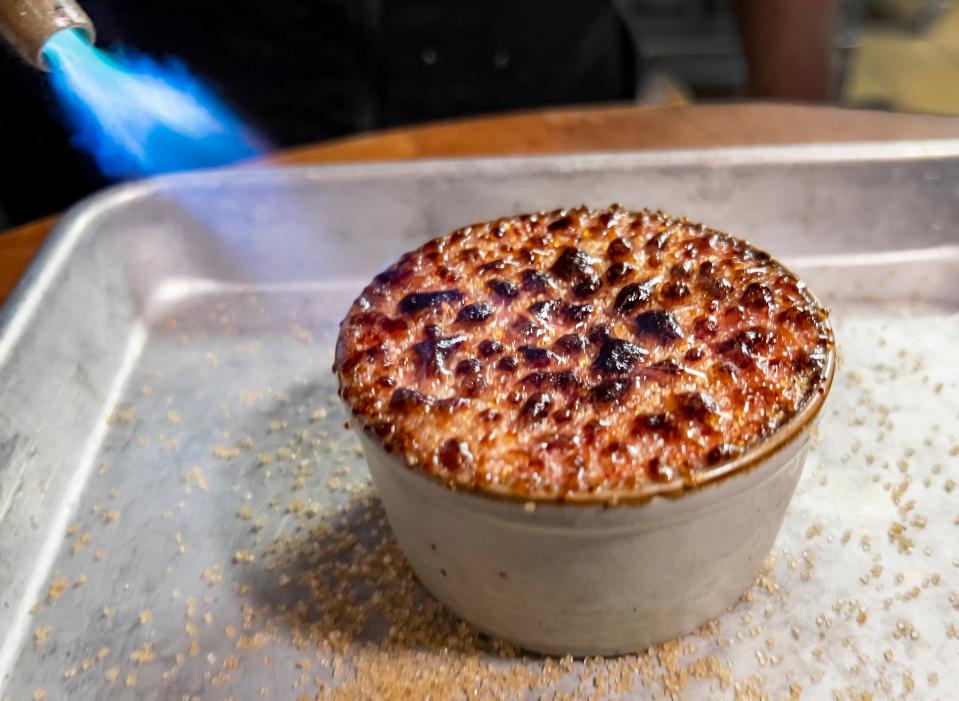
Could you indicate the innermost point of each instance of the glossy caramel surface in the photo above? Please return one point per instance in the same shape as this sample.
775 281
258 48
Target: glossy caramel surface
579 352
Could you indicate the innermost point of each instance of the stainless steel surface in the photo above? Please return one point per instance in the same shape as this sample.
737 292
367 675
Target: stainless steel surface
173 331
27 25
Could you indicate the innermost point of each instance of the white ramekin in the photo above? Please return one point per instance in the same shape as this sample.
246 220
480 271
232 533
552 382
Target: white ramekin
588 578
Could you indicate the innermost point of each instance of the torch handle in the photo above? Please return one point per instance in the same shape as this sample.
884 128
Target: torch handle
27 25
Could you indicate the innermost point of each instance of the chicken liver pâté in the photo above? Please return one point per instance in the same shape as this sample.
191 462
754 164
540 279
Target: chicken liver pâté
579 352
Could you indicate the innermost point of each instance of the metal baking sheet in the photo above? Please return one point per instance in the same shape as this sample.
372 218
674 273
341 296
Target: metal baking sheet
182 515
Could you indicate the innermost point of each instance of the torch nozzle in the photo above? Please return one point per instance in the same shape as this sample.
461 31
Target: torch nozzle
27 25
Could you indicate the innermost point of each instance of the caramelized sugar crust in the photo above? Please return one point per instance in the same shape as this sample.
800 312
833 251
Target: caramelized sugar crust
580 352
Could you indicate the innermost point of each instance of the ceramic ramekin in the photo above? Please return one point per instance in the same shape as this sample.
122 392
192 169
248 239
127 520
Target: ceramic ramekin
587 577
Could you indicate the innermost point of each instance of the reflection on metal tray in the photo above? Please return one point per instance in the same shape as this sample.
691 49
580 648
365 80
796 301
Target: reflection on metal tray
183 516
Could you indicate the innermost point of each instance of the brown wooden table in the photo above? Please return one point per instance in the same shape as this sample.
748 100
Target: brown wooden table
571 130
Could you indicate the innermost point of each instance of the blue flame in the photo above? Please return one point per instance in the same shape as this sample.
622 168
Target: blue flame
137 116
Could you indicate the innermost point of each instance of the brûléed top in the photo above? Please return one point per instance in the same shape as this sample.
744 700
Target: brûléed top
580 352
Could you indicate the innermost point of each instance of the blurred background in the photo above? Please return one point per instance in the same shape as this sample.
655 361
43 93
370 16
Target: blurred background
301 71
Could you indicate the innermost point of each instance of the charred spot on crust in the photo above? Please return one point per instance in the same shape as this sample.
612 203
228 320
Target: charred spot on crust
652 422
668 366
598 334
619 272
737 351
448 275
632 297
562 380
507 363
717 287
416 302
658 472
674 291
393 276
369 318
618 356
455 455
576 267
658 242
544 309
474 313
571 344
696 406
525 256
757 296
431 353
658 326
490 415
469 366
560 224
572 264
750 253
451 405
705 327
537 406
394 325
404 399
503 289
490 347
587 286
618 250
561 416
757 340
800 317
814 362
537 357
469 255
610 390
494 266
536 281
722 453
524 327
681 270
561 441
577 313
